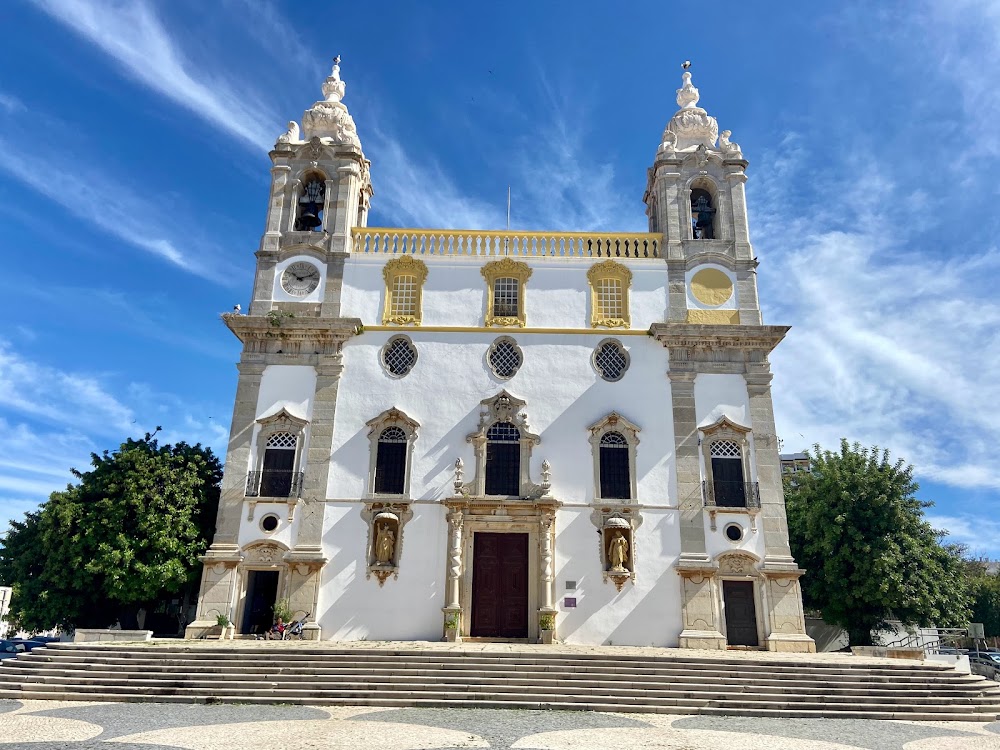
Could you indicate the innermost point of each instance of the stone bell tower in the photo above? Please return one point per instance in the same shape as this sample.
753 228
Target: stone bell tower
695 196
278 458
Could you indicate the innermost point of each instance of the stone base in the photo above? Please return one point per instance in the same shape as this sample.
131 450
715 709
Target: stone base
705 639
311 631
202 629
795 643
92 635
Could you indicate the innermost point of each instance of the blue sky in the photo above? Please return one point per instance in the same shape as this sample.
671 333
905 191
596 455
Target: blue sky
134 173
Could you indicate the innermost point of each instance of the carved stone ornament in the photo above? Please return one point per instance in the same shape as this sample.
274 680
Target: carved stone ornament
692 126
385 538
291 135
735 563
264 553
329 118
616 525
728 147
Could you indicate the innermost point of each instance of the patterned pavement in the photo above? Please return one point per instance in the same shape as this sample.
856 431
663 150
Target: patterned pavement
52 725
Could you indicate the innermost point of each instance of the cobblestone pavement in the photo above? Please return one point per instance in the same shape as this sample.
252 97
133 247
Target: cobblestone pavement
48 725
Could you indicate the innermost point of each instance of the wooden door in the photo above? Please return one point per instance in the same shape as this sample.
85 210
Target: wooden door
741 613
499 586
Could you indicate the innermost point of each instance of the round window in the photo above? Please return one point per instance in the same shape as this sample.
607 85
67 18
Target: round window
398 356
734 532
611 360
505 357
269 522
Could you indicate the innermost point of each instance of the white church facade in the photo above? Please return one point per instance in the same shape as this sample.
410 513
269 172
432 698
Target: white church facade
505 434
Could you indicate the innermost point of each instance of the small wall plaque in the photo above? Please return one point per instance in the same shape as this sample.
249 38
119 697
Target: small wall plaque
571 585
569 602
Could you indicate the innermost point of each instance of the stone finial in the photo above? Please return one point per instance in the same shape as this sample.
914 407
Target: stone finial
329 118
687 94
459 475
333 87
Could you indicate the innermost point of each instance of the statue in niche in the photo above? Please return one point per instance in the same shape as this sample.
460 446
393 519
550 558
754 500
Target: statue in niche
618 553
385 545
311 206
702 216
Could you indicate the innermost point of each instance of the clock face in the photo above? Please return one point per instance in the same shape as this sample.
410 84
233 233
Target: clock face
300 279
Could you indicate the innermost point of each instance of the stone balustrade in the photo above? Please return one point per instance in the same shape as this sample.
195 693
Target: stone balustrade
489 243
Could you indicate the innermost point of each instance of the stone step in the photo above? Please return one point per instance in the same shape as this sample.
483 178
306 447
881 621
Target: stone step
690 683
253 687
475 678
609 669
565 702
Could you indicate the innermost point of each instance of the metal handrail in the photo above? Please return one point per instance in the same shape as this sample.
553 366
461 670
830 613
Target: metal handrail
274 483
732 494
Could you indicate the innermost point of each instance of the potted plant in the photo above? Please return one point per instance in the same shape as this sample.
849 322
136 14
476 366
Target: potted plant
223 622
451 624
547 627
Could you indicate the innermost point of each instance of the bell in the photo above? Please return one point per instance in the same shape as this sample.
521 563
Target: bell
307 220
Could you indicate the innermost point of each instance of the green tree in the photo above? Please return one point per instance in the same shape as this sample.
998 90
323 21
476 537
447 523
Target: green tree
128 533
985 589
857 528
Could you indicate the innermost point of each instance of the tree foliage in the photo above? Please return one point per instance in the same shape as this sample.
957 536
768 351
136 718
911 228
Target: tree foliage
985 589
858 529
127 533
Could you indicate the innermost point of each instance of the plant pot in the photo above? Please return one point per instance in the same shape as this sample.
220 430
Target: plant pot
451 635
548 636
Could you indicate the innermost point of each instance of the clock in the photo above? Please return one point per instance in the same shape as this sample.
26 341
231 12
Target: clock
300 279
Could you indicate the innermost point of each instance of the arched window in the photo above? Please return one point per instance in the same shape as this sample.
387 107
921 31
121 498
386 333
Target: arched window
728 482
391 436
613 440
278 470
390 463
506 297
702 215
616 483
309 216
503 460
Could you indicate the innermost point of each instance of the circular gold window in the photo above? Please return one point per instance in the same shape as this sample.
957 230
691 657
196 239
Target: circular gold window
710 286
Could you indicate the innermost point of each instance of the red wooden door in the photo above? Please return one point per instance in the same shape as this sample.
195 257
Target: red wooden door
499 586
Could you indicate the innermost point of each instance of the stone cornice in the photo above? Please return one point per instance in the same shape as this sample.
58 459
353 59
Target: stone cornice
699 336
320 335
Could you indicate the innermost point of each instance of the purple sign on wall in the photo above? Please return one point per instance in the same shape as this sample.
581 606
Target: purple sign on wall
569 602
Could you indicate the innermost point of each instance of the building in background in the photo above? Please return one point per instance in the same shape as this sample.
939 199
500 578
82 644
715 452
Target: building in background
792 463
505 434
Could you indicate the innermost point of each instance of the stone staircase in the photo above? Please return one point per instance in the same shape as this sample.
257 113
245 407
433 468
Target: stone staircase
521 677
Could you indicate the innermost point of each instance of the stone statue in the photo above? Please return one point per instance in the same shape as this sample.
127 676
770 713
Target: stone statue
385 545
618 552
726 145
291 135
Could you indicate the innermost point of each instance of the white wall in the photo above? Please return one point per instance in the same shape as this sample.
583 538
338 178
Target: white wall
646 612
556 296
352 607
564 397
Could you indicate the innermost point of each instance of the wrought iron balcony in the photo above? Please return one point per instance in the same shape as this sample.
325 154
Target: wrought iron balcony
272 483
729 494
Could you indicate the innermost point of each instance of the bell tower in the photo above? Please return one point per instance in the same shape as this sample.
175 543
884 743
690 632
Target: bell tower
320 189
695 196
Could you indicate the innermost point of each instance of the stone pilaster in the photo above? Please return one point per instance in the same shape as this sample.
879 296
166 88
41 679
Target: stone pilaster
700 610
234 478
334 285
317 468
546 567
263 284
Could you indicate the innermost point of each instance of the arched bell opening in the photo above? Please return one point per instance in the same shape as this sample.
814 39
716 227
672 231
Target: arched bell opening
311 202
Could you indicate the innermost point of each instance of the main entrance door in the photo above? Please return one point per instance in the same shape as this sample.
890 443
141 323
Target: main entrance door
499 586
741 613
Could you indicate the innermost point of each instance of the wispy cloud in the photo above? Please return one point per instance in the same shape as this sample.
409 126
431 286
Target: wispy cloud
98 199
11 104
40 391
133 35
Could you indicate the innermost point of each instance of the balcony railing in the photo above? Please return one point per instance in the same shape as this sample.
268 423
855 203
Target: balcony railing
477 243
274 483
728 494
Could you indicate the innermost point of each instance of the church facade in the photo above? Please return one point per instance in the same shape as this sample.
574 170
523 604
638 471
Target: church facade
505 434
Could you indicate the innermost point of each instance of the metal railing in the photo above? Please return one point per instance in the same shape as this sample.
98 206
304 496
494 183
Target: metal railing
273 483
477 243
727 494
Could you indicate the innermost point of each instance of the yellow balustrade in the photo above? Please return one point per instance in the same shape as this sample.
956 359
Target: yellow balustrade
480 243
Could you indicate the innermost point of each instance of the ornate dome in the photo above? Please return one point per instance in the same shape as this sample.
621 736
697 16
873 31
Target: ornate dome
329 118
692 126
